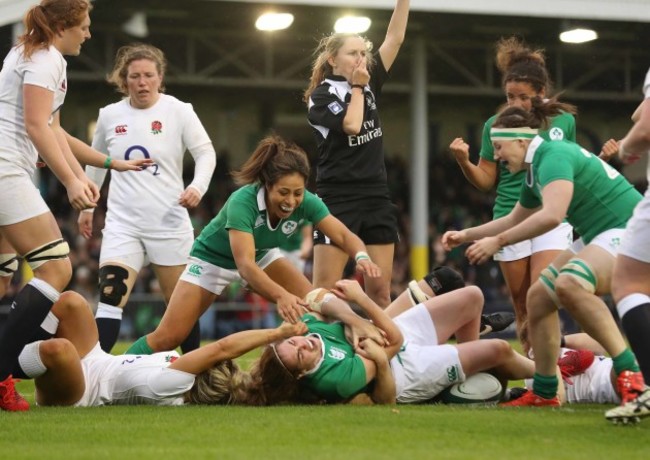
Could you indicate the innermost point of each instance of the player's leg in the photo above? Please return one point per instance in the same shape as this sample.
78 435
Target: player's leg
284 273
39 240
8 265
378 289
168 277
497 356
329 262
516 274
116 281
457 313
122 256
578 285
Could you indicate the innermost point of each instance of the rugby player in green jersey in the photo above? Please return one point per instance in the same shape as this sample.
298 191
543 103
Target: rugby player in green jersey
242 244
562 181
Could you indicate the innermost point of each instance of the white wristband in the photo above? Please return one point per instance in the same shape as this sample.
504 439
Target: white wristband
361 255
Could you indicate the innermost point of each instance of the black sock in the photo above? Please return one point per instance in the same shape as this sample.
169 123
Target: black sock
636 324
193 340
27 312
109 330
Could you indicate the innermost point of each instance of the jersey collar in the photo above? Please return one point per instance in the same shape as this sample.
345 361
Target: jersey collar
322 354
532 148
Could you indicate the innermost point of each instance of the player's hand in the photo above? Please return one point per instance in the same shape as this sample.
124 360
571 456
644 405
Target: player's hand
85 223
131 165
369 349
190 198
453 238
349 290
460 149
291 308
287 330
609 150
481 250
364 329
80 195
368 268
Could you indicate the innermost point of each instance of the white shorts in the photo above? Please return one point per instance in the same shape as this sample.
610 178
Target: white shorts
136 251
20 199
636 242
609 240
557 239
93 366
215 279
422 368
295 259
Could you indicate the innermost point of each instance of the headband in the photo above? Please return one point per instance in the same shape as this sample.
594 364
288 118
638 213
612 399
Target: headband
511 134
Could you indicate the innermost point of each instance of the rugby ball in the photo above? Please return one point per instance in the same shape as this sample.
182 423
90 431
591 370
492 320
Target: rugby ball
480 388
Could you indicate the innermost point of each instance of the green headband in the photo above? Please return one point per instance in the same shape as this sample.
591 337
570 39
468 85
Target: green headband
510 134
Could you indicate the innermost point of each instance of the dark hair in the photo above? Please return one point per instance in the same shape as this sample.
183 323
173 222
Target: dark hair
271 383
538 116
273 159
327 48
519 63
135 52
43 21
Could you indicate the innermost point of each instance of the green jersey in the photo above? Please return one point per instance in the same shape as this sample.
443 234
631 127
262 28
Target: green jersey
602 198
563 127
245 211
340 374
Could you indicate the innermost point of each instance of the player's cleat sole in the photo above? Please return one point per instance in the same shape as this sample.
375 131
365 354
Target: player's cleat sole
632 412
496 322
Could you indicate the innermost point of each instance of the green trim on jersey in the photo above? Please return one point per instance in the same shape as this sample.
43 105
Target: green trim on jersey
242 212
602 198
563 127
341 373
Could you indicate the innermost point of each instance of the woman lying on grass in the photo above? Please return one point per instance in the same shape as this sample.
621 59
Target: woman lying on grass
404 360
71 369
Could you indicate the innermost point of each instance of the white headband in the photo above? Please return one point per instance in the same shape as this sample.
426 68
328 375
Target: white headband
510 134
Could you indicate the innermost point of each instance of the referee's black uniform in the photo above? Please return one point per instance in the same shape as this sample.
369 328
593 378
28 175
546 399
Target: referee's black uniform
351 172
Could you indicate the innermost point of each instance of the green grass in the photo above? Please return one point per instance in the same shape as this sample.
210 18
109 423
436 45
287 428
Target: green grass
403 432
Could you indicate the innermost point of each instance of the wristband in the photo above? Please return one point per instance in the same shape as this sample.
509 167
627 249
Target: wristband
107 163
356 85
317 298
361 255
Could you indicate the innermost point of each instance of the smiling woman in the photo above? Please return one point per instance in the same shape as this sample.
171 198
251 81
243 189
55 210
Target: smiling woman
242 243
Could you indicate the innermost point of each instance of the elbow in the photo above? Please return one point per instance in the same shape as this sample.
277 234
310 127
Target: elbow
553 221
351 129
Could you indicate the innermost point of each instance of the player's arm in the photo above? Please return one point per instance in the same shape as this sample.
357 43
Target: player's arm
483 175
556 198
233 346
242 245
378 371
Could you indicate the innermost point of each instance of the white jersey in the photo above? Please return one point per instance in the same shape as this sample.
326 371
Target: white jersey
593 386
133 379
147 201
46 68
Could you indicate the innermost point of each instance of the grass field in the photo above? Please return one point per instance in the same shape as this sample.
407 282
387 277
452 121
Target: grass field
331 432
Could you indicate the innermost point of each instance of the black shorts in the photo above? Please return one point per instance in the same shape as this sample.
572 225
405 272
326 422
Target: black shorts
374 220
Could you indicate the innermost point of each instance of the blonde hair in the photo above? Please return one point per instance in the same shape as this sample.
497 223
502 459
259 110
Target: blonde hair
43 21
222 384
135 52
328 47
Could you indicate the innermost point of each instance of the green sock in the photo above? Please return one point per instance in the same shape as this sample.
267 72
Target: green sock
545 385
625 362
140 347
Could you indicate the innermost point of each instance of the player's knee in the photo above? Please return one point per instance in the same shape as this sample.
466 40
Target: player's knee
69 302
56 351
113 289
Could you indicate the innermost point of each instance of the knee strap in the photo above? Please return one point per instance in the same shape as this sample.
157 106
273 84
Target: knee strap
416 294
582 272
112 285
54 250
8 264
548 277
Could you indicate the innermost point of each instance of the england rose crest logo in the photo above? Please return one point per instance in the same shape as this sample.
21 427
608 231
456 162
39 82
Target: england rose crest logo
156 127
